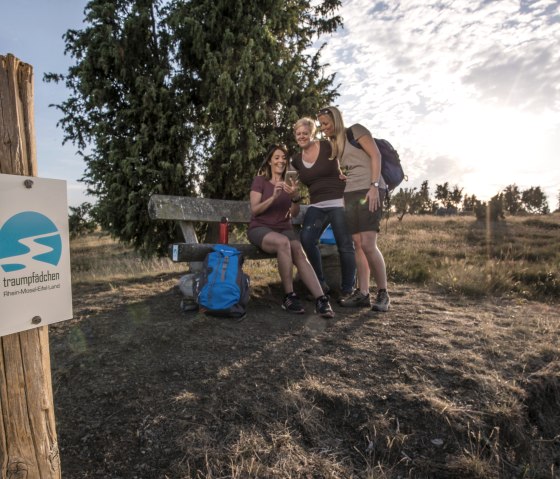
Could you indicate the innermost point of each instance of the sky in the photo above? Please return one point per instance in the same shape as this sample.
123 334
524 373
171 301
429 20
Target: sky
468 91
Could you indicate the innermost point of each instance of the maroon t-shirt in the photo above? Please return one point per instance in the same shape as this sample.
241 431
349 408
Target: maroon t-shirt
277 215
322 178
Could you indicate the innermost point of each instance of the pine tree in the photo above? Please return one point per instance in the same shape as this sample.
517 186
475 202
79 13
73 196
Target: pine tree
255 78
126 117
183 97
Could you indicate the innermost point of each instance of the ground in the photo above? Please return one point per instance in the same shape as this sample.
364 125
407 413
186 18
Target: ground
439 387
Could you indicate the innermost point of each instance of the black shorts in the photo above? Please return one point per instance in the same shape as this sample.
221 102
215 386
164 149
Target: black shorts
358 216
256 235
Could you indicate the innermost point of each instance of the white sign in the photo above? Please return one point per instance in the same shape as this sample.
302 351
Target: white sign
35 282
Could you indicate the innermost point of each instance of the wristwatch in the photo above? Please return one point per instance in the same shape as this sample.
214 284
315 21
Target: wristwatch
374 183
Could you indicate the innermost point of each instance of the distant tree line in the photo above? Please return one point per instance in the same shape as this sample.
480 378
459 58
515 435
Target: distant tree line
451 200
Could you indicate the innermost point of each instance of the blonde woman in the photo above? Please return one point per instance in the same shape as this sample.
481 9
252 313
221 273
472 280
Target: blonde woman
363 199
274 202
321 175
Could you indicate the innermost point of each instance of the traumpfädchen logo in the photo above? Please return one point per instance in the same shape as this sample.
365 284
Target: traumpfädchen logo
29 240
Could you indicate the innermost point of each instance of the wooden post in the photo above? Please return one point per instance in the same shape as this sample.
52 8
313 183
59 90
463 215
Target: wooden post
28 443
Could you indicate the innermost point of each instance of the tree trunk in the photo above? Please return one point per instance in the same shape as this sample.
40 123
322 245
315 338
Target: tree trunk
28 444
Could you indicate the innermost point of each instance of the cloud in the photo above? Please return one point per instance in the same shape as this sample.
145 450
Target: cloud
418 73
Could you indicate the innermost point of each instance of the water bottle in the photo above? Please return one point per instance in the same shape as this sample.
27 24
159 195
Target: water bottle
224 226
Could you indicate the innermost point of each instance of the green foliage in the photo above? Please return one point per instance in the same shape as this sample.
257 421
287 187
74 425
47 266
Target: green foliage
183 98
534 200
81 220
256 78
492 210
449 198
512 199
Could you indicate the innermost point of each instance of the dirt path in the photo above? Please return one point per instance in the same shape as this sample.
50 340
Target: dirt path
438 387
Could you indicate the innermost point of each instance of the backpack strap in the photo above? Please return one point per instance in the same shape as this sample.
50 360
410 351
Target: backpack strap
351 139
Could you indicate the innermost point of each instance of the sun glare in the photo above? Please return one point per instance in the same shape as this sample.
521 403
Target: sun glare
498 138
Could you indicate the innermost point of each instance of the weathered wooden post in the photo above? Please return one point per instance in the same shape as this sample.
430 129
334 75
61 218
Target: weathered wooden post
28 443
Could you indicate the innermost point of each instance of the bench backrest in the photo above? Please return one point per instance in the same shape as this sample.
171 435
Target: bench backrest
188 208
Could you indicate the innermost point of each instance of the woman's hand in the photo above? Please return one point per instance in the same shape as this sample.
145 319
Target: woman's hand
373 199
290 188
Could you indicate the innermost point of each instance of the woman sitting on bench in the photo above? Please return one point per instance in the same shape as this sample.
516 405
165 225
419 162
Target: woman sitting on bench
274 202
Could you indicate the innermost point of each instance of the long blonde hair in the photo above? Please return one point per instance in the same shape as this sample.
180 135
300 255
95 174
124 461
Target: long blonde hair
338 141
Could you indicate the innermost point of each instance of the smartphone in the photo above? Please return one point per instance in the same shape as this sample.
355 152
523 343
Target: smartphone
291 177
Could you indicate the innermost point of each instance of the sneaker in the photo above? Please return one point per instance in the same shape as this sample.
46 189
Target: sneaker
355 300
382 301
323 307
292 304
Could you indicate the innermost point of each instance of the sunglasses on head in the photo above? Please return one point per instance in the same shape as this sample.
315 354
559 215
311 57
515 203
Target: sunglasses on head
325 111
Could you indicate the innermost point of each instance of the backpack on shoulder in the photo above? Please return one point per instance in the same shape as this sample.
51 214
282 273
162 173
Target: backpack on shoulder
391 168
223 287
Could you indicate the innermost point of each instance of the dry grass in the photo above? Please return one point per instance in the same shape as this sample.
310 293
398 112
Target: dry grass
461 379
519 256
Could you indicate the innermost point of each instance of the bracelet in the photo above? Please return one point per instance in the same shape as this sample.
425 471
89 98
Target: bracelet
296 200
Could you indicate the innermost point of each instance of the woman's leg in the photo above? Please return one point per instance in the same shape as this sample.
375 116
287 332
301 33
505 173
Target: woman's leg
309 278
375 260
314 223
306 272
362 264
279 244
346 251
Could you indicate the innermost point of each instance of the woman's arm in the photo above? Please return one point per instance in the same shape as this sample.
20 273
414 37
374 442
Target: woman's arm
368 145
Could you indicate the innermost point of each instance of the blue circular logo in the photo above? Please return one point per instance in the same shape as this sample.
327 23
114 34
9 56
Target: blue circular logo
29 238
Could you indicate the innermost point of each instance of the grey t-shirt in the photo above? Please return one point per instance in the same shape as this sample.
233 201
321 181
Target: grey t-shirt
356 163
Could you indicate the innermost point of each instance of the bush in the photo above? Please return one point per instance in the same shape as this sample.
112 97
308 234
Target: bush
81 220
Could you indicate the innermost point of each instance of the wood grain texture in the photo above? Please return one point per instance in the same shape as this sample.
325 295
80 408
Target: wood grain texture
28 442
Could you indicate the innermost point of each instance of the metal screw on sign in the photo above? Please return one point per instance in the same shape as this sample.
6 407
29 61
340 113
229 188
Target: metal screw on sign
36 319
28 184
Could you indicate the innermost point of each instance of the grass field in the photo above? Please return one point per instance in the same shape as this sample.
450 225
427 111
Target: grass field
461 379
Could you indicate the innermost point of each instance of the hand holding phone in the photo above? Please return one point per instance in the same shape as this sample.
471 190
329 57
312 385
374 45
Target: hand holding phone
291 177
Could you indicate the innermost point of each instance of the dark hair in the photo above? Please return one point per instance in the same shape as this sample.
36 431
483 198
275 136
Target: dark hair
265 169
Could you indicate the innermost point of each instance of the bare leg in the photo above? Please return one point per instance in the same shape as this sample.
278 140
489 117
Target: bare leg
362 264
280 245
305 269
374 258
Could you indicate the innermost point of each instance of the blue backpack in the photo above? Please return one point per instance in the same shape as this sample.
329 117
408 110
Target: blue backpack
391 168
223 288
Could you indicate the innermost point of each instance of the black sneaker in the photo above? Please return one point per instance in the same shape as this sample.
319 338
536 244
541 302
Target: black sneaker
355 300
323 307
292 304
381 302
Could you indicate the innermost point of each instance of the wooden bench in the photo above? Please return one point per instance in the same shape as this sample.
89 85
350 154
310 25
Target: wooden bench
187 210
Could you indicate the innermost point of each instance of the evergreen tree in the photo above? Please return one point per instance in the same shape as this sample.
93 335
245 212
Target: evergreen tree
255 75
125 112
183 97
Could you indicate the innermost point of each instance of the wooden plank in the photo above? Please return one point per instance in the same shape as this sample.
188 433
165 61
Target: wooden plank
189 208
187 252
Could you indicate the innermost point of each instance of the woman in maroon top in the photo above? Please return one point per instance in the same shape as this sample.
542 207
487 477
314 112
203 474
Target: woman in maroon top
273 203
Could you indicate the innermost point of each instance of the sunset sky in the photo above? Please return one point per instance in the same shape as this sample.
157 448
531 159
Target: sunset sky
468 91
